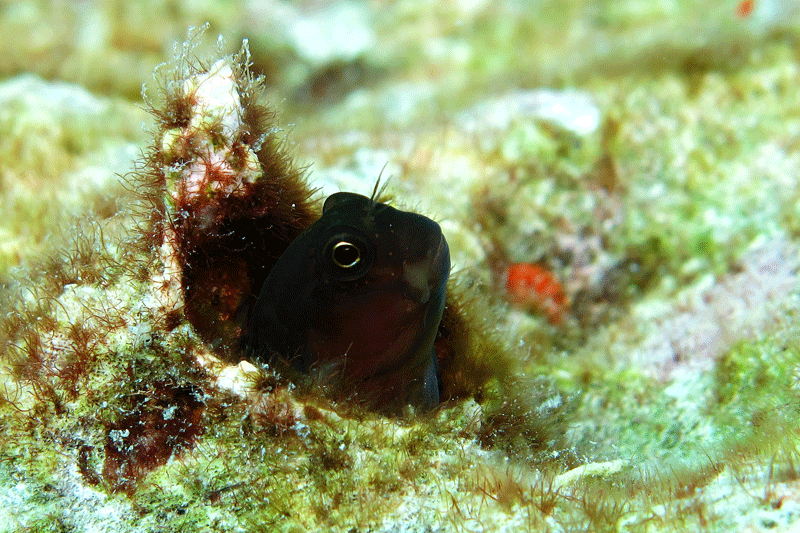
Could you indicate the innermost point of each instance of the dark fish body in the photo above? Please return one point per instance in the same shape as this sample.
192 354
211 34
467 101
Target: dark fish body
356 301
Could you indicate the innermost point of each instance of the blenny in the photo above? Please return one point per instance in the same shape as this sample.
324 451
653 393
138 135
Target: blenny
356 301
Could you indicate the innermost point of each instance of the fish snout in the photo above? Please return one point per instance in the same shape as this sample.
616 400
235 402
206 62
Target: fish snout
428 273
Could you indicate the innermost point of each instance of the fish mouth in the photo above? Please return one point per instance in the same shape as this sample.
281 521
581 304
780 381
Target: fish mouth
427 274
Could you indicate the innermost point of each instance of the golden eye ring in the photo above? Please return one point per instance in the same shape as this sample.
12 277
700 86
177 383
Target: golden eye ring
345 254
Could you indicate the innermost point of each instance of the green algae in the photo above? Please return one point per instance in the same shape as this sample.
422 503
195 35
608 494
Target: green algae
756 390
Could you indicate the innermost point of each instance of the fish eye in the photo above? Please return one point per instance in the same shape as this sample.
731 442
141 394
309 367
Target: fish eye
345 254
348 255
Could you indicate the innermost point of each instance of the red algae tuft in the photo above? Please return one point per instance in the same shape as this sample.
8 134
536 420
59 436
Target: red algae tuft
165 420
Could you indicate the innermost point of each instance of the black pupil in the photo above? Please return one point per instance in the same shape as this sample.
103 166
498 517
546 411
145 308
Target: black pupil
346 254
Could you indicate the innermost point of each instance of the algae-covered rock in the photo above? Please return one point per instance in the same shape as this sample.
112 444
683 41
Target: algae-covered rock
645 183
128 354
62 150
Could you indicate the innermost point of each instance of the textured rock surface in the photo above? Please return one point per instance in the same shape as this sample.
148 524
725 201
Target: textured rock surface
654 176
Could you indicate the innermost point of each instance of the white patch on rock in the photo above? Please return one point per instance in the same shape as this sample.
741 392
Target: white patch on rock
338 32
573 111
238 379
216 97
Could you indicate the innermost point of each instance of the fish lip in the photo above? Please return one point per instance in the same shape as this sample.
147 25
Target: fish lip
424 276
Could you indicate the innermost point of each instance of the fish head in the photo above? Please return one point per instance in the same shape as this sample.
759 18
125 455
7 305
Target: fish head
357 299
